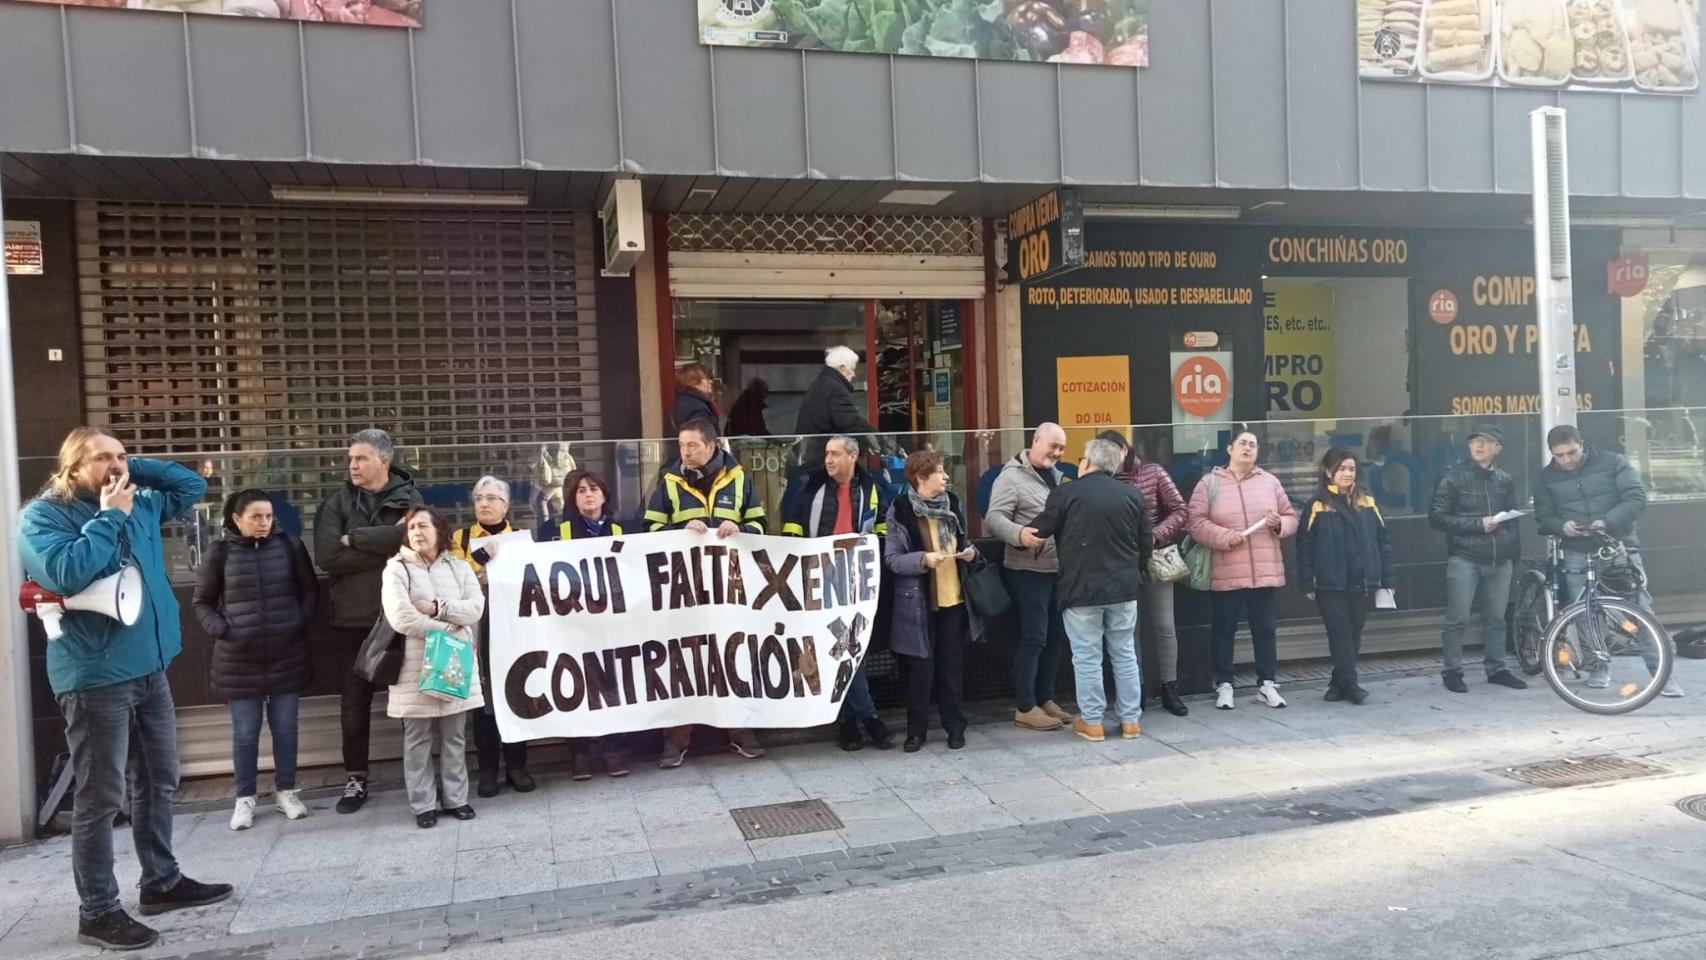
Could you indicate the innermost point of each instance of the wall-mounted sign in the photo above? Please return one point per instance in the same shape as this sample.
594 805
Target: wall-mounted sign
1298 327
368 13
1200 339
23 248
1111 32
1627 275
1092 394
1619 46
948 325
1045 237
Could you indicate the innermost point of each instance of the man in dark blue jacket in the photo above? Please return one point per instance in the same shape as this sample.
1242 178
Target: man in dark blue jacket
100 512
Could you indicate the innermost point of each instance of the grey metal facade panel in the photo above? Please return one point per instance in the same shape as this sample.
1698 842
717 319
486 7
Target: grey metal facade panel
1693 144
1176 123
361 98
1240 93
34 107
1321 111
568 83
850 116
1248 54
134 103
1098 125
665 82
1460 142
246 80
936 119
1018 118
465 98
1393 136
1594 143
1652 148
760 112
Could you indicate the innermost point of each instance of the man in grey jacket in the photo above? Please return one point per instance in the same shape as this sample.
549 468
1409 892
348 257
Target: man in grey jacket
1033 574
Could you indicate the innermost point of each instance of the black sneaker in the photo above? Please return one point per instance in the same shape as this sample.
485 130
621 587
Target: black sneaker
1334 694
879 733
847 734
1505 678
1454 682
355 794
188 893
115 931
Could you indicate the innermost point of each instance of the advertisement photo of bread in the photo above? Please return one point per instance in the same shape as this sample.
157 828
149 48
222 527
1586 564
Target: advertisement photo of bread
1664 46
1602 41
1535 44
1457 39
1388 36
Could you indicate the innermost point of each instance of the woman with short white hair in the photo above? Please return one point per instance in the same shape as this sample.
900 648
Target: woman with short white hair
491 518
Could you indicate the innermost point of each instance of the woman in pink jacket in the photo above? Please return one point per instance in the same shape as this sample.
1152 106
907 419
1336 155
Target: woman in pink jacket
1241 513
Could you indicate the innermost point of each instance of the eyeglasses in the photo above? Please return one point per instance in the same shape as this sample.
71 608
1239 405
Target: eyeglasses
490 498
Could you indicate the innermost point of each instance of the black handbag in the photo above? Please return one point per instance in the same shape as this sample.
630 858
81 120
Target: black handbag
379 661
985 589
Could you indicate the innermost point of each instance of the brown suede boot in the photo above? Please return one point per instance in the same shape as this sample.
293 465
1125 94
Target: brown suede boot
1035 719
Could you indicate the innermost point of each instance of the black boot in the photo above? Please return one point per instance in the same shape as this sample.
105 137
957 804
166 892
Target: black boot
488 785
1171 700
880 736
847 734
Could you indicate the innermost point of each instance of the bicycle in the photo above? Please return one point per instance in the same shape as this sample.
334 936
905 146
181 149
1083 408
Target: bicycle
1535 603
1587 648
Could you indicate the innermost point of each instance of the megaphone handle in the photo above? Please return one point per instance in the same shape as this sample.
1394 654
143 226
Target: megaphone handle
50 614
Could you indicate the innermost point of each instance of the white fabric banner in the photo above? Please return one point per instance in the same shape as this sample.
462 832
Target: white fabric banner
591 637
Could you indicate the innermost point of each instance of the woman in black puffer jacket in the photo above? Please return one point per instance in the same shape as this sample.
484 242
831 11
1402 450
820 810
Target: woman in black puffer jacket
255 597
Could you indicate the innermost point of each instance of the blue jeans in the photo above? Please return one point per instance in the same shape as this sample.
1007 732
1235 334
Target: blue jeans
1112 627
858 703
1036 657
105 727
280 710
1467 585
1575 570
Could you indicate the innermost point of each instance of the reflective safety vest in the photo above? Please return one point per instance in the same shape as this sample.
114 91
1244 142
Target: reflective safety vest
676 503
566 530
814 508
459 540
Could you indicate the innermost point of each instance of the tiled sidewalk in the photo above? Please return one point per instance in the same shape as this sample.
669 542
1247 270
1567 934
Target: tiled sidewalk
373 881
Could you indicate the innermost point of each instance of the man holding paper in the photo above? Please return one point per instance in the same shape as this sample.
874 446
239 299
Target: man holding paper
1475 505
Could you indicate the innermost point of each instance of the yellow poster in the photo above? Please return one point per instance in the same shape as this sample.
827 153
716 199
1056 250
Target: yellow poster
1299 341
1092 394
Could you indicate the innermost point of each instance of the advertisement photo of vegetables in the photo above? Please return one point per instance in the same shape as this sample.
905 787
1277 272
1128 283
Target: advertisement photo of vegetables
365 13
1620 46
1110 32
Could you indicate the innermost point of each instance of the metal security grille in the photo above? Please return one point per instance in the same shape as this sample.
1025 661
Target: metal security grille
813 233
225 329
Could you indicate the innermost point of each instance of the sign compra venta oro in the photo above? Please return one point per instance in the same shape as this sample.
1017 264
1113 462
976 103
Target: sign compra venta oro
1045 237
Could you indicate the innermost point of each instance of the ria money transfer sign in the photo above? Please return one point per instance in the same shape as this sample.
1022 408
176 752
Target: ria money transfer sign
1113 32
1624 46
370 13
592 637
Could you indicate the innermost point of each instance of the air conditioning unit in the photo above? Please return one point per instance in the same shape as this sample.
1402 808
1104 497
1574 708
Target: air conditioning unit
624 220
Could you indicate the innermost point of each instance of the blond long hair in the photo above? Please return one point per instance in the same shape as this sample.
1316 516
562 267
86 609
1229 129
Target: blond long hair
63 485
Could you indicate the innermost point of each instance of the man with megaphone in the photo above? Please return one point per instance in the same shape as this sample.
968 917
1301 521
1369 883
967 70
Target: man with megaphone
98 516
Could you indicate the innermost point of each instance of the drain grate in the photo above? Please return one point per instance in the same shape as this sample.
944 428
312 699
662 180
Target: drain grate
1694 806
785 819
1578 771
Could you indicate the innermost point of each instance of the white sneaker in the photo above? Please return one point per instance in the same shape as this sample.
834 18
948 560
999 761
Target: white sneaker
1269 694
1672 689
1223 697
290 804
243 817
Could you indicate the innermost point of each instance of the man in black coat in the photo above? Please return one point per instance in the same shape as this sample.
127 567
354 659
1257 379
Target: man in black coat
356 531
1102 534
1482 552
828 407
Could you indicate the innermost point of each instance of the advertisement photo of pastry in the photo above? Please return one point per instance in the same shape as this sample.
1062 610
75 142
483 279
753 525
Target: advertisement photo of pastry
1664 41
1602 42
1388 35
1457 40
1535 45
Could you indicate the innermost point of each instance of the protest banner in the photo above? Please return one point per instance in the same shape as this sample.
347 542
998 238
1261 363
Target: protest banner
601 636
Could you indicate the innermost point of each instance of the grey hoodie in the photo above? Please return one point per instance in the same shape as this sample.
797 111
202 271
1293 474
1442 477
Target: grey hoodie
1018 499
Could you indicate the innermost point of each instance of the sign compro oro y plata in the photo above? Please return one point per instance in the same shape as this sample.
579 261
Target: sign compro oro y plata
1045 237
594 637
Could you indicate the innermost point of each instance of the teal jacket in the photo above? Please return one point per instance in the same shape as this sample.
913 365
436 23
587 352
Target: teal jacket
65 546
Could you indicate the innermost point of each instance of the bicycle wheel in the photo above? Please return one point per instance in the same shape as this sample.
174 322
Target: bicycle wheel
1607 656
1528 621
